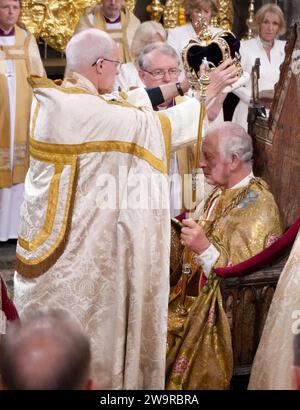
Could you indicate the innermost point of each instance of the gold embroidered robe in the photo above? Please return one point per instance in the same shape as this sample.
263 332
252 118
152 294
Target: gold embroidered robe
242 223
92 240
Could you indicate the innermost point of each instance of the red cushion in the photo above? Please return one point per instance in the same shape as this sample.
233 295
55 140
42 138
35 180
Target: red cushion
266 256
8 306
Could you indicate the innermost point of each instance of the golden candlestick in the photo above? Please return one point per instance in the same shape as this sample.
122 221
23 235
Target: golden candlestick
224 19
155 9
170 15
250 21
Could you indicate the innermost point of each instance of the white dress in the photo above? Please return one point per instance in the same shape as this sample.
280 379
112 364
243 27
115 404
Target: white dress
10 198
269 73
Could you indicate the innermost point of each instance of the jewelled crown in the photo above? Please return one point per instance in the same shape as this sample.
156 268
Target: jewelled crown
210 50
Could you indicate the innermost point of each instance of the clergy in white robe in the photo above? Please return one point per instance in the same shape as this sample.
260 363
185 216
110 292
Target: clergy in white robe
95 232
116 20
19 57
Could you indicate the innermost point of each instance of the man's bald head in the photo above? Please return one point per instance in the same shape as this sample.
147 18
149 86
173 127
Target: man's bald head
86 47
45 351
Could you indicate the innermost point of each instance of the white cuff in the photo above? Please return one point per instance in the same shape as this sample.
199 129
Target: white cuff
208 258
237 84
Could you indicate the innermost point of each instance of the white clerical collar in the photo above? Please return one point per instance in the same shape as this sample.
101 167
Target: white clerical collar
244 182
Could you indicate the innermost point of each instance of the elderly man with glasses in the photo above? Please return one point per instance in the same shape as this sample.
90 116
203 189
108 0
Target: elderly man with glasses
159 65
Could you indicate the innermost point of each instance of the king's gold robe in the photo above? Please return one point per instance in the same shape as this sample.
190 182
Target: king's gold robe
242 223
95 229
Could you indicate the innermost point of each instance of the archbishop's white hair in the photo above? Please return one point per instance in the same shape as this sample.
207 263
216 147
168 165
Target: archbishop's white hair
233 139
86 47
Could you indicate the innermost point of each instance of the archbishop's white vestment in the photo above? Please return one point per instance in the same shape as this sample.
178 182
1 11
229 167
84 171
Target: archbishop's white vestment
95 232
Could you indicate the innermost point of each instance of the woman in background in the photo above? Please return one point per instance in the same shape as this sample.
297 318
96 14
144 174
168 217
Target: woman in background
270 24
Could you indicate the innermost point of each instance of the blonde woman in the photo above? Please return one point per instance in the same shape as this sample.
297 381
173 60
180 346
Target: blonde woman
270 24
147 33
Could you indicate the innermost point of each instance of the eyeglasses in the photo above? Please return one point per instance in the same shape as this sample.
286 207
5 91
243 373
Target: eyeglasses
117 63
159 74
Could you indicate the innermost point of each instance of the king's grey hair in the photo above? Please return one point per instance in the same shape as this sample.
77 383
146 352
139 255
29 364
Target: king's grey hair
163 48
233 139
86 47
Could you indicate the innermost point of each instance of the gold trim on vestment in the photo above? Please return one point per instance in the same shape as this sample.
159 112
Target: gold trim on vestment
59 153
46 231
14 173
167 132
13 52
44 82
32 268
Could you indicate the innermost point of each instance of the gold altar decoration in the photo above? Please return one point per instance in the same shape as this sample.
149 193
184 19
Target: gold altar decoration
174 14
171 13
181 14
130 4
250 21
155 9
224 19
55 20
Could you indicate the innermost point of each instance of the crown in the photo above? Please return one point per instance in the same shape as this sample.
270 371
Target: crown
210 50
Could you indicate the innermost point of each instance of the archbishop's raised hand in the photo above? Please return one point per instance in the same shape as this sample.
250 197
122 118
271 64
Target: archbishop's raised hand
225 74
